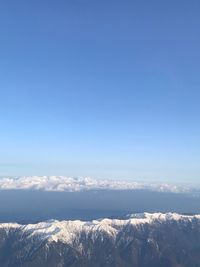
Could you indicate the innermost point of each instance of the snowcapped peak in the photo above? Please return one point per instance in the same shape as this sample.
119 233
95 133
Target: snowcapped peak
159 216
69 231
9 225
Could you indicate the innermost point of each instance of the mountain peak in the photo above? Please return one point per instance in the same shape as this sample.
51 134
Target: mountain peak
67 231
141 240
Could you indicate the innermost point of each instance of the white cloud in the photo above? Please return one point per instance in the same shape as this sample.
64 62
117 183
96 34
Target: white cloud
69 184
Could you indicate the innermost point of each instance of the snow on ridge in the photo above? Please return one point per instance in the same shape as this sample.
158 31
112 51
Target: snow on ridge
69 184
69 231
159 216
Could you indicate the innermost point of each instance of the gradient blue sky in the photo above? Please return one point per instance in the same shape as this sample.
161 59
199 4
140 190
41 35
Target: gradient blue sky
100 88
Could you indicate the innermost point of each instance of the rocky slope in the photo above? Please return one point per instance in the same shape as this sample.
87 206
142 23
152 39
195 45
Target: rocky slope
140 240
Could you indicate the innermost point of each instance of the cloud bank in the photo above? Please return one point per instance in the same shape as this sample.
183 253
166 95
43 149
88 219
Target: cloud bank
69 184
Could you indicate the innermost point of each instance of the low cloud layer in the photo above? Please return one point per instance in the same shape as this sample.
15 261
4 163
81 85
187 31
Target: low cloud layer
69 184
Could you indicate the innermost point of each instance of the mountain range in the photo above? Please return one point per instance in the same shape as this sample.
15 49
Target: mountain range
137 240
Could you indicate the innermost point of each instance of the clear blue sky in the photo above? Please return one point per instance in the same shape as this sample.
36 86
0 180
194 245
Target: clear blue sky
100 88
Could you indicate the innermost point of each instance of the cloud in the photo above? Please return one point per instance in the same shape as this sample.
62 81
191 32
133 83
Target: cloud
69 184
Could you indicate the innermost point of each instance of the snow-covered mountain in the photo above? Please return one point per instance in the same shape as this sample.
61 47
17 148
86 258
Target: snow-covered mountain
62 183
138 240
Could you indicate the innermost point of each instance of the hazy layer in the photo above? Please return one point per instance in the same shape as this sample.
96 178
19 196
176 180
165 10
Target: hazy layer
34 205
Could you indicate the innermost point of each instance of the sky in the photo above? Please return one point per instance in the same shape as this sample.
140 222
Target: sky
104 88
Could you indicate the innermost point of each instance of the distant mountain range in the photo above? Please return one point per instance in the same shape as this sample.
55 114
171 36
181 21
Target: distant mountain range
138 240
70 184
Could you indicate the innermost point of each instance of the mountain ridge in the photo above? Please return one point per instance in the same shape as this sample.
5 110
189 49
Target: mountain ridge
139 240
